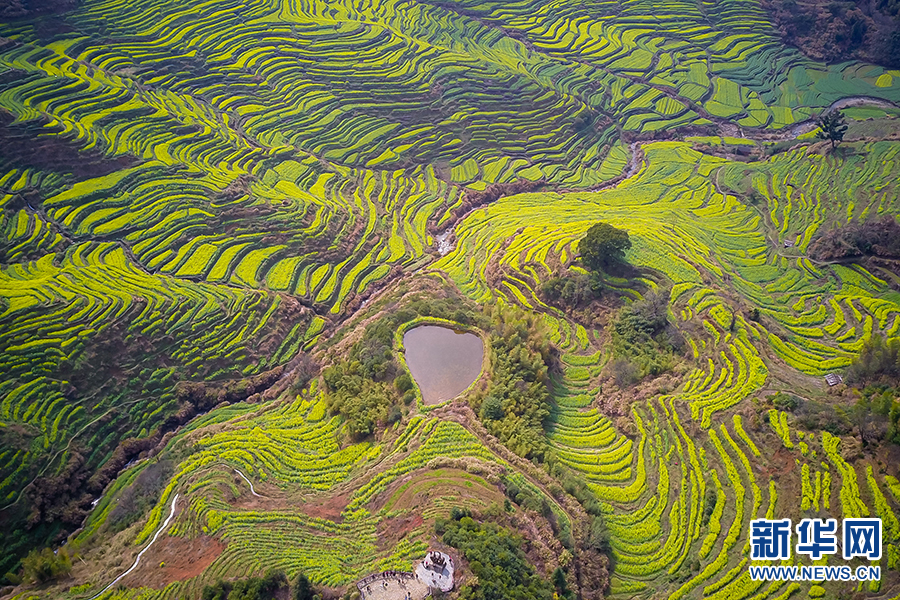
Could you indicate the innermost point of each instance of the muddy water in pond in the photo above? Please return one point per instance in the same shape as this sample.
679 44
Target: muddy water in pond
443 362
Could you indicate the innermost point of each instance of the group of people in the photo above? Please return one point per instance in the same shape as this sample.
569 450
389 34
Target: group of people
392 574
435 564
388 575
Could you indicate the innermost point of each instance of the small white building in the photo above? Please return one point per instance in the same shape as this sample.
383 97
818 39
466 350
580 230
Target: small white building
832 379
436 571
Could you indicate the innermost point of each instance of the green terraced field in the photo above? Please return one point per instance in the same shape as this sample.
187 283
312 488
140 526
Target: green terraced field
204 202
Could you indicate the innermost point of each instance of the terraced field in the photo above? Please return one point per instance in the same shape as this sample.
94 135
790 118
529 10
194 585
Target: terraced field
199 199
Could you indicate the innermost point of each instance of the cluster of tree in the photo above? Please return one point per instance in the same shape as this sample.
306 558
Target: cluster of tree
271 585
821 416
13 9
496 559
878 362
876 414
195 397
58 499
878 237
525 498
362 401
602 249
57 502
538 503
812 415
252 588
50 507
572 291
839 31
368 386
643 341
517 401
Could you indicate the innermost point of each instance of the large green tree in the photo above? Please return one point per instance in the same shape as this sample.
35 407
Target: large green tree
603 245
831 127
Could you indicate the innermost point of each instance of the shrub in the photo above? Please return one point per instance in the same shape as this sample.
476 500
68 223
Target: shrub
303 588
457 513
491 409
14 579
409 397
787 402
572 290
403 383
624 372
41 566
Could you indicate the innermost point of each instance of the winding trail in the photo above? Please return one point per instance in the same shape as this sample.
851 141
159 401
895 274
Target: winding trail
244 477
810 124
137 559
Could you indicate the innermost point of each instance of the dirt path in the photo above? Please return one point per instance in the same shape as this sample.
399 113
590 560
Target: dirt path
137 559
244 477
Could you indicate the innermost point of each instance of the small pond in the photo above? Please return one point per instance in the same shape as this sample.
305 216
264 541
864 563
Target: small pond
442 361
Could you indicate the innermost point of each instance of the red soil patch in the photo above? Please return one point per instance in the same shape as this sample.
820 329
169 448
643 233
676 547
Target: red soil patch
184 558
391 531
780 463
327 508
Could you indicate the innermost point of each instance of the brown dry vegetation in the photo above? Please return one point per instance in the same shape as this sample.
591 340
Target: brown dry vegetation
836 31
878 237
